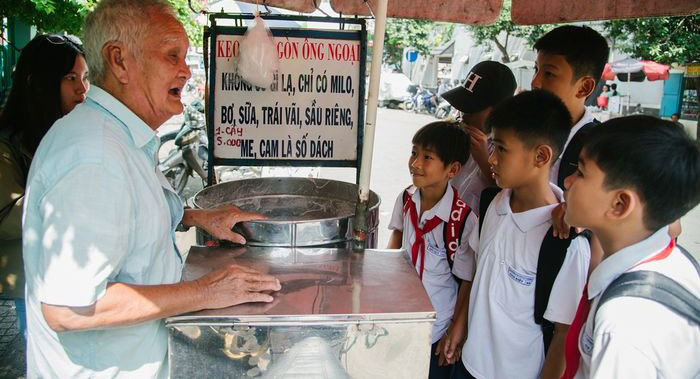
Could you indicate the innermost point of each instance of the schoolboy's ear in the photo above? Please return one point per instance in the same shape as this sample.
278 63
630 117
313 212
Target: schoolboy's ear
586 87
624 203
543 155
453 169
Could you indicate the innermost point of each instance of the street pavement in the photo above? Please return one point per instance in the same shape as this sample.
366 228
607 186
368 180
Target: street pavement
394 131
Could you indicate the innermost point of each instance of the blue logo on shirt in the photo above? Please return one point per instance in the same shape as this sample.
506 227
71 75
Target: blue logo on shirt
586 342
523 279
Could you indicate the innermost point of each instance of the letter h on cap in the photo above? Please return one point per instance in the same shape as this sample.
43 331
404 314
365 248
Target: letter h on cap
470 82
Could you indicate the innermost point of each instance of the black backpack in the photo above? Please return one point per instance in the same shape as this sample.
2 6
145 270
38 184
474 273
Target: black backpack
569 160
656 287
549 262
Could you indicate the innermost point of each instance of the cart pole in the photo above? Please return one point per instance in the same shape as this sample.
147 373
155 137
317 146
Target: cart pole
360 221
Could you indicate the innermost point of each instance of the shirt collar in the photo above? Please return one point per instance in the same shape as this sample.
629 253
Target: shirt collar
623 260
441 209
140 132
525 221
585 119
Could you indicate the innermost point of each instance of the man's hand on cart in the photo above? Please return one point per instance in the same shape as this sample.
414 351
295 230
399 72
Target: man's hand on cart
235 285
219 221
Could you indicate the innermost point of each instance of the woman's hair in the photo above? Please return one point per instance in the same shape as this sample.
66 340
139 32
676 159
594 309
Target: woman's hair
34 103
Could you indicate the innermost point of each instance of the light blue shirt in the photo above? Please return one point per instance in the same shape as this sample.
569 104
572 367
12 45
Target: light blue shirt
97 210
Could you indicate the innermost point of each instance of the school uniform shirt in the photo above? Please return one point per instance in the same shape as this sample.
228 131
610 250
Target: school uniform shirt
503 339
585 119
437 277
635 337
470 181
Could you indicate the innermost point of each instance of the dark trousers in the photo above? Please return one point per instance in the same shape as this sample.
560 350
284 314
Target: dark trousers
460 372
437 371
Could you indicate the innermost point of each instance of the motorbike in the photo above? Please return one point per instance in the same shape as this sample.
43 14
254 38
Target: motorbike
443 110
185 152
423 101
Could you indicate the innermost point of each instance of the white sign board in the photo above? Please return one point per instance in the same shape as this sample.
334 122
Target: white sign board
310 112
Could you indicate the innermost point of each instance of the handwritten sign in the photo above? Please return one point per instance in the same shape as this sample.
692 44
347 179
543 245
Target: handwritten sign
311 111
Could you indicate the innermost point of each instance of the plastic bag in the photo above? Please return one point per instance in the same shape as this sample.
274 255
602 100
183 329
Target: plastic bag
259 58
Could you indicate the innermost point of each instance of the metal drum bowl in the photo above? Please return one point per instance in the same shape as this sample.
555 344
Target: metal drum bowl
299 211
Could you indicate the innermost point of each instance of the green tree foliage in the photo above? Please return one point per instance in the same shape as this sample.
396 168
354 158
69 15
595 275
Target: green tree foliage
418 34
662 39
56 16
49 16
501 32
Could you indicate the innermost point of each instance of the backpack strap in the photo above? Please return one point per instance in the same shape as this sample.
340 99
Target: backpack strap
406 198
551 258
656 287
452 232
570 156
485 199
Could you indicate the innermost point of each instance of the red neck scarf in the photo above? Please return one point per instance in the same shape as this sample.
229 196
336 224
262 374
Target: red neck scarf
419 244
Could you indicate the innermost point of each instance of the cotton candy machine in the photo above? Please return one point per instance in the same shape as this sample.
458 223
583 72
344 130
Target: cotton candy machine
299 211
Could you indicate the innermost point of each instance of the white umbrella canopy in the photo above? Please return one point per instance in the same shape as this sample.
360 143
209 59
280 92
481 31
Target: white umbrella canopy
626 66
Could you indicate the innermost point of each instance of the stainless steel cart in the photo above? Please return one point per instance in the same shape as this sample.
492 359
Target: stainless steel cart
340 314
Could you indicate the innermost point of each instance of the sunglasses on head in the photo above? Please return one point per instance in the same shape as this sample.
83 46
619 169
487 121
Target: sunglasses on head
60 40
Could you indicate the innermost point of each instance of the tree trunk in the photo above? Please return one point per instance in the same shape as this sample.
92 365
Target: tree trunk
502 49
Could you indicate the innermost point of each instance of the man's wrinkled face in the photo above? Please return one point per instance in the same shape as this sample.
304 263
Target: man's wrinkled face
161 69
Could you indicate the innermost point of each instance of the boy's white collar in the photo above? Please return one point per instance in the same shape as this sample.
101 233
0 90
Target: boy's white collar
622 260
441 209
531 218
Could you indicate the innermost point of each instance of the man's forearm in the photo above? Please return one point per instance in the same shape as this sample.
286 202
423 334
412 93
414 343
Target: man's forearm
125 304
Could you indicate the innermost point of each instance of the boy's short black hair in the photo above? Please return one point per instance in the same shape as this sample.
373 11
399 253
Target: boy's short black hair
584 49
536 117
654 157
447 139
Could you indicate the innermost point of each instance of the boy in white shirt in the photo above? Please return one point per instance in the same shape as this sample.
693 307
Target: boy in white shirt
503 338
487 84
431 223
635 176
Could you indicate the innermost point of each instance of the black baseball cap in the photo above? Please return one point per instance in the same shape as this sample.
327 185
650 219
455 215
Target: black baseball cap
487 84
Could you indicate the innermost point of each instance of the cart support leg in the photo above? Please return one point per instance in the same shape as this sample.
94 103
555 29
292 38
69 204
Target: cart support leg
360 224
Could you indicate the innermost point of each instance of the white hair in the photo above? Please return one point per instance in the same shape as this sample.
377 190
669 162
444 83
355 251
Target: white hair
126 21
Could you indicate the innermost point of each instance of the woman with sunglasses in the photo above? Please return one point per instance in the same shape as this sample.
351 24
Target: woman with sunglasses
49 80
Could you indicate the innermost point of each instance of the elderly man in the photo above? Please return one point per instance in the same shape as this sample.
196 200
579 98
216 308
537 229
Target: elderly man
99 230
